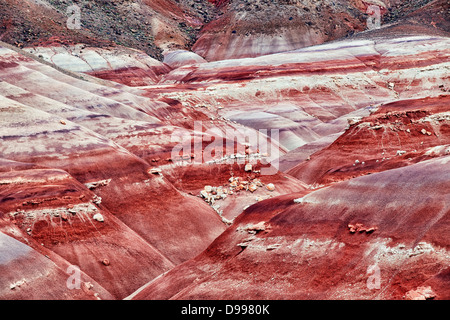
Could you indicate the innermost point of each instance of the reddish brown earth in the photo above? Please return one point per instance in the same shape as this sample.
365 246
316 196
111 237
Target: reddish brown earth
114 150
398 134
280 249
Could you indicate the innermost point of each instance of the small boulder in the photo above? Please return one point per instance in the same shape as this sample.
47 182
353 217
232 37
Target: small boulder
252 187
421 293
155 171
98 217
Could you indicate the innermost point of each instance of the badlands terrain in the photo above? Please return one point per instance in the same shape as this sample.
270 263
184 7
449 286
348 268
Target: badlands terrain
227 149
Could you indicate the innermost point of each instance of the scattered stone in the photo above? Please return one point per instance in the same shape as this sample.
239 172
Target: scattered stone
204 194
400 152
63 122
86 286
96 184
270 187
359 227
421 293
227 221
17 284
248 167
354 120
98 217
106 262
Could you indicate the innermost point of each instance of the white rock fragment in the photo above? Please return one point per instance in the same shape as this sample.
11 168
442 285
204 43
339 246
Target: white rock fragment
97 200
354 120
273 246
98 217
299 200
96 184
155 171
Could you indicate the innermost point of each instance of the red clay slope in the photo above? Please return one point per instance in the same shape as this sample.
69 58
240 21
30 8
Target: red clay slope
250 28
148 225
54 214
374 237
397 134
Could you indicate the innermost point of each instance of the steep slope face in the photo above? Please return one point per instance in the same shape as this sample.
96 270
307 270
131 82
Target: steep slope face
150 26
310 94
130 216
396 135
253 28
40 277
375 237
52 212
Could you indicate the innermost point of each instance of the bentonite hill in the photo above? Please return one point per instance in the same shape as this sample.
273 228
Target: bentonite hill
231 149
